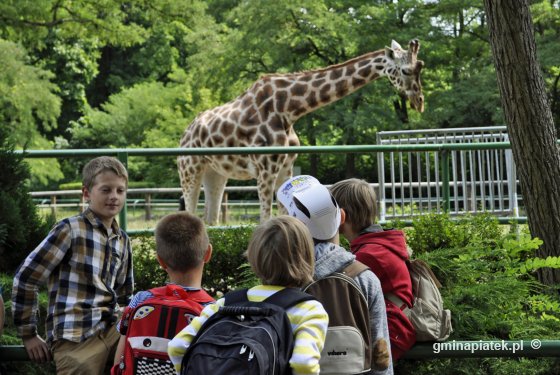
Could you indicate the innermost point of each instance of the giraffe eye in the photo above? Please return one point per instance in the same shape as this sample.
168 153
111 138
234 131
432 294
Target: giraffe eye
406 72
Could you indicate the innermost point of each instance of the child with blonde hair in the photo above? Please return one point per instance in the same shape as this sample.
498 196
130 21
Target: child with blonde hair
280 253
86 264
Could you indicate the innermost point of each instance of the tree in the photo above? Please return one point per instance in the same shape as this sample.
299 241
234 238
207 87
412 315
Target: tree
21 228
29 106
529 121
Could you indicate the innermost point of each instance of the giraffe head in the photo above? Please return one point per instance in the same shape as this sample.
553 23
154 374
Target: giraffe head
406 73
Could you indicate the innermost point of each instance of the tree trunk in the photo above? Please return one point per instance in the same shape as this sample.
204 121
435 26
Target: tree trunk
529 120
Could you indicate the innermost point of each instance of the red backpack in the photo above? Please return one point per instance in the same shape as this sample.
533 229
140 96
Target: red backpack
152 324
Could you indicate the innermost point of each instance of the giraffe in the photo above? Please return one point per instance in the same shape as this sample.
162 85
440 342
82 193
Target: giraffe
265 114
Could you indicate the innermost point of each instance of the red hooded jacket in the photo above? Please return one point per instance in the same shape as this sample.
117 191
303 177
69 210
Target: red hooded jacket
385 253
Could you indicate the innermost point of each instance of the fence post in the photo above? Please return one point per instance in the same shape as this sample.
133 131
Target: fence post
445 180
225 207
148 207
123 157
53 206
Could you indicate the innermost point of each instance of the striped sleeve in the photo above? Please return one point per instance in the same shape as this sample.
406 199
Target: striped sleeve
181 342
309 322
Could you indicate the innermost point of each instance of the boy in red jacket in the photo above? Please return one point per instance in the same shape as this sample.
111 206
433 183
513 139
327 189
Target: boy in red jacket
383 251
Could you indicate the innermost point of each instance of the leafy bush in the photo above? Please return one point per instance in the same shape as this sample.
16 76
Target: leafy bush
489 284
147 271
438 231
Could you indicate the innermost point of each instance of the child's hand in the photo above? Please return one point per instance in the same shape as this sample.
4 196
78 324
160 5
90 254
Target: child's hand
37 349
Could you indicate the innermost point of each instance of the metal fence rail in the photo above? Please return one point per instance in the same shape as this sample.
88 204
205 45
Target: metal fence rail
482 180
441 161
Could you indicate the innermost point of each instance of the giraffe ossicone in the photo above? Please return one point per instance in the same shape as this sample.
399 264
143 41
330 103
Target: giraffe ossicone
265 114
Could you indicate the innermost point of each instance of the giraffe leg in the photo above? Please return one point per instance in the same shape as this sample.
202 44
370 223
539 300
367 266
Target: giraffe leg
214 186
190 175
285 173
266 183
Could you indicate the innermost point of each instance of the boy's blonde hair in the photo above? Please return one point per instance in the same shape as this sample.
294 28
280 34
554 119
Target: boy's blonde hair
281 252
358 199
99 165
181 241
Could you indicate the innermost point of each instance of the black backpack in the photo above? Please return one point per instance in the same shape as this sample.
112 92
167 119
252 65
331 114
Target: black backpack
245 337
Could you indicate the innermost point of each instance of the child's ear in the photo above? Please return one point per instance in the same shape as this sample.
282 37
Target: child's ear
208 254
85 193
342 217
161 262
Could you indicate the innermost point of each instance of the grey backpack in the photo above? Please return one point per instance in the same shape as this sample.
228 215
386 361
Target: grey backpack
431 321
348 344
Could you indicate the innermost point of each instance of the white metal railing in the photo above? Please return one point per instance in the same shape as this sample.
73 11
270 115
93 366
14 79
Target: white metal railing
481 180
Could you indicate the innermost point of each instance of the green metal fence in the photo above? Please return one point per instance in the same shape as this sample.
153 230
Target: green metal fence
443 150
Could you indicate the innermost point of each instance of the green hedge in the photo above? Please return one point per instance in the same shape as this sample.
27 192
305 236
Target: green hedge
490 286
225 271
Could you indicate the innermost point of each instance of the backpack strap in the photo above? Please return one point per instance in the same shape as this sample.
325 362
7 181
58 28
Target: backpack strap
284 298
236 296
396 301
354 269
288 297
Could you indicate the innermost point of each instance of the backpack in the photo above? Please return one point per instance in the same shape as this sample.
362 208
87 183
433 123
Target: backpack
431 321
150 326
348 344
245 337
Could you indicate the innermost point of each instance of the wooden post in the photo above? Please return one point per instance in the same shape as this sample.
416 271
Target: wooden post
53 206
224 207
148 207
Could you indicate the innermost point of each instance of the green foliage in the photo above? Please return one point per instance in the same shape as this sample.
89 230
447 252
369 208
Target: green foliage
489 285
28 99
226 270
146 115
147 271
21 228
487 300
29 106
436 231
135 74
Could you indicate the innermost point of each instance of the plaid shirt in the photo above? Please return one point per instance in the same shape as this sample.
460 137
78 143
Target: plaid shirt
88 273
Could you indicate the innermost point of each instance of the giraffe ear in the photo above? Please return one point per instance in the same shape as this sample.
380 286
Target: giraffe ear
389 53
395 45
419 66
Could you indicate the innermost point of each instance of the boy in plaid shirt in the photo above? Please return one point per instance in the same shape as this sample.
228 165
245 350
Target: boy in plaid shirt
86 264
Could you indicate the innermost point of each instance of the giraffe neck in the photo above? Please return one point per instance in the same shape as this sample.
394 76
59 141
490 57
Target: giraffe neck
308 91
